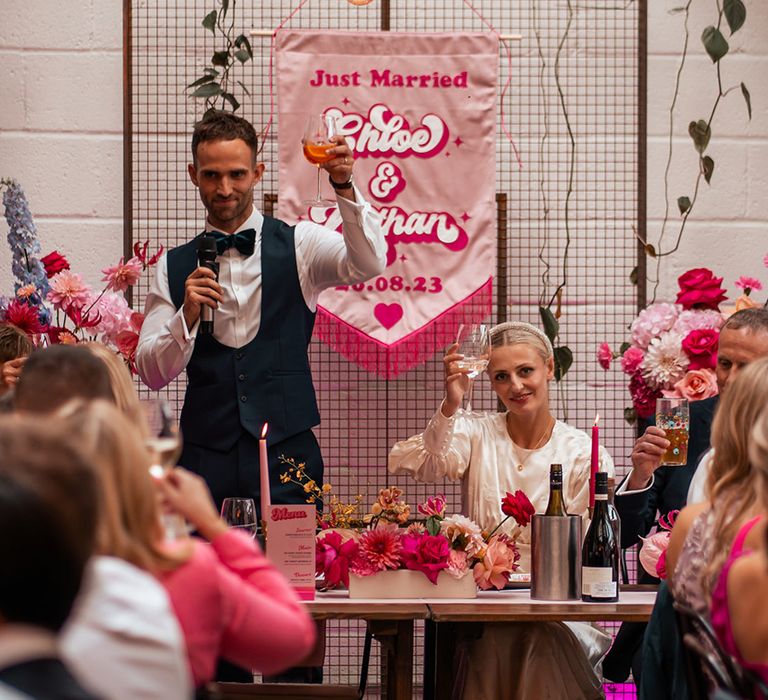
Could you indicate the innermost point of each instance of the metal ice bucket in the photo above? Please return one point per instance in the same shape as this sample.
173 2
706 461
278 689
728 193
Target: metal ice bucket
556 557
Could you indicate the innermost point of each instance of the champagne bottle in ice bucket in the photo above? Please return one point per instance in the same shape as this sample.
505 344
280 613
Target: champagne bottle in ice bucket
556 547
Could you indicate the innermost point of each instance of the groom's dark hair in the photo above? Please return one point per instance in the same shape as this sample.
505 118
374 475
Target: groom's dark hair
224 126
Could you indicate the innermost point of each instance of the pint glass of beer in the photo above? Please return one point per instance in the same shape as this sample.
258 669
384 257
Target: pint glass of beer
672 418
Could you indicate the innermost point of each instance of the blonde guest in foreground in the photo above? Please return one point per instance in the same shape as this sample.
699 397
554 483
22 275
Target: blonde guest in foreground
496 453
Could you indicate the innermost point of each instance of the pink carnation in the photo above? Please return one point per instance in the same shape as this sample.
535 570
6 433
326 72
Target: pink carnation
604 355
458 563
122 275
652 322
643 397
499 560
631 360
115 315
748 284
697 319
67 290
697 384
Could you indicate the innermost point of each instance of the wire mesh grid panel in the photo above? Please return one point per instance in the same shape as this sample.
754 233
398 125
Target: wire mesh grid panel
567 214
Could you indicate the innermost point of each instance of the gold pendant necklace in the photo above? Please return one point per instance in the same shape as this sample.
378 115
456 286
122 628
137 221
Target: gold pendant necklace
539 443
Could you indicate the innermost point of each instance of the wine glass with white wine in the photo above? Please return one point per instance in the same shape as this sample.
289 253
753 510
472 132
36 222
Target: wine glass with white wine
164 444
474 343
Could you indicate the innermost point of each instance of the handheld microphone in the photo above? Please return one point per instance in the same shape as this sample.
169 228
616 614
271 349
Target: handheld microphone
206 257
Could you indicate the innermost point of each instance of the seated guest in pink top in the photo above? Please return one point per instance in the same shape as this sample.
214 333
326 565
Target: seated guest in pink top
739 608
230 601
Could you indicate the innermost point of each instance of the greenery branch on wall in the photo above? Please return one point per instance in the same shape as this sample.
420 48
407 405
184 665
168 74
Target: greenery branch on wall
217 85
700 131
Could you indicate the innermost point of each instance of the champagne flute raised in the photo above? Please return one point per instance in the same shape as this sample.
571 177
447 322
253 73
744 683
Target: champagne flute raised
316 142
164 445
474 343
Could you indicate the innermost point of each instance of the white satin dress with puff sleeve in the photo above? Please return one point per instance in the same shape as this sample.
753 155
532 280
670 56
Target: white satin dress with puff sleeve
514 660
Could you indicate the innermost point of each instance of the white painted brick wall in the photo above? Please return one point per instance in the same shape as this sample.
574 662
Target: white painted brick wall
61 133
61 126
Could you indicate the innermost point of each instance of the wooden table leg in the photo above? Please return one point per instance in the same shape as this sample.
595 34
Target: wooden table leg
396 639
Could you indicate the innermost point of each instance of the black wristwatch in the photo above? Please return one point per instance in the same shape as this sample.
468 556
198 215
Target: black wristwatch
340 185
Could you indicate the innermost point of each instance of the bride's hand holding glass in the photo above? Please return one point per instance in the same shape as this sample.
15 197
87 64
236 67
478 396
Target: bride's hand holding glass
456 380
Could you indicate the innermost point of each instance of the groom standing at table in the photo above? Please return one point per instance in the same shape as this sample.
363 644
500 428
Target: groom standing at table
253 369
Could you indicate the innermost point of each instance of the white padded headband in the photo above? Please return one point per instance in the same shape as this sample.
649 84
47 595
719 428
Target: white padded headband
526 328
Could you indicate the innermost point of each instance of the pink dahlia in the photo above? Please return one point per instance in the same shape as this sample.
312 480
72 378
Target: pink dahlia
122 275
652 322
748 284
25 317
631 360
381 547
499 560
67 290
604 355
665 362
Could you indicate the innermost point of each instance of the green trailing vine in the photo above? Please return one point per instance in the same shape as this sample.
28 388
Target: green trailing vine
563 355
217 85
700 131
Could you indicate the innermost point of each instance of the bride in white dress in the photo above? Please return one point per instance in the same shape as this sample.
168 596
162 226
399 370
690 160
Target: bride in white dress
496 453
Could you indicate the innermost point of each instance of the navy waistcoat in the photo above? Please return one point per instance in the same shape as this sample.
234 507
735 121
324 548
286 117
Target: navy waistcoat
230 390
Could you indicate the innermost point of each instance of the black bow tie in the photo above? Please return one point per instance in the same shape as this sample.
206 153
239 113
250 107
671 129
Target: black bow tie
242 240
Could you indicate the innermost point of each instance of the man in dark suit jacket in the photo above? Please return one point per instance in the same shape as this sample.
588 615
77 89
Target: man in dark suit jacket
650 489
48 517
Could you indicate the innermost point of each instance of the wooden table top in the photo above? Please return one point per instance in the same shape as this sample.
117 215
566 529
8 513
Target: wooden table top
489 606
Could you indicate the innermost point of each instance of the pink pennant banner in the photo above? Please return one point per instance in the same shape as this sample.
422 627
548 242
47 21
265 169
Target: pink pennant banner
419 112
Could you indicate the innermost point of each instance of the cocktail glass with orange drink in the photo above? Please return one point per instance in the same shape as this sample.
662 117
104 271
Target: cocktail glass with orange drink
315 143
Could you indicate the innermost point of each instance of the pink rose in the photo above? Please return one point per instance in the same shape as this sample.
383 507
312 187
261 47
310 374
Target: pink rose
631 360
697 384
701 347
604 355
499 560
434 507
426 553
699 288
54 263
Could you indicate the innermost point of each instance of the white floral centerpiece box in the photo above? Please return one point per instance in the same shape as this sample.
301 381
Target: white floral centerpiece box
411 584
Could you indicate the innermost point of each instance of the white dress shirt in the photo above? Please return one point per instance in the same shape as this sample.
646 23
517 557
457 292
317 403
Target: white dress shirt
697 489
323 259
122 640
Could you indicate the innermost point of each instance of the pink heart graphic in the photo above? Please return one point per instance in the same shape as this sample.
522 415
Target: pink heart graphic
388 314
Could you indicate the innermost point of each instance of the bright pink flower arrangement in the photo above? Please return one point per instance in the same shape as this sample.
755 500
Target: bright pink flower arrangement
672 349
454 544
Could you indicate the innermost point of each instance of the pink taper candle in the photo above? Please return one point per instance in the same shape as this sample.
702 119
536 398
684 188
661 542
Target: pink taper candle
264 474
594 463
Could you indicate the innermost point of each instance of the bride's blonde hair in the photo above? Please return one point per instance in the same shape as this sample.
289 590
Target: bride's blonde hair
515 332
731 486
